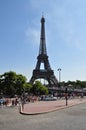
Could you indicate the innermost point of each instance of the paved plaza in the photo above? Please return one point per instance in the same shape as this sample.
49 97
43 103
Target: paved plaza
49 106
72 118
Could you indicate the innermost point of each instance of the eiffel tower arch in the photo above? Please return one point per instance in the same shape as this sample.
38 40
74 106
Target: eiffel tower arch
47 73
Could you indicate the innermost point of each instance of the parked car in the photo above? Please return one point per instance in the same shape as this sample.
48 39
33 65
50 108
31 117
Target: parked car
49 98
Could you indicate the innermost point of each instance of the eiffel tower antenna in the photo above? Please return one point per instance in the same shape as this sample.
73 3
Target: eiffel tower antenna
46 73
42 14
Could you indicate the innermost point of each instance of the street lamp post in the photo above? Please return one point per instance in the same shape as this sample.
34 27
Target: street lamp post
59 70
66 96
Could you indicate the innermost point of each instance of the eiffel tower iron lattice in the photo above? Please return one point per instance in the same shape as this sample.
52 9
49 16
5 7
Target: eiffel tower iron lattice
47 73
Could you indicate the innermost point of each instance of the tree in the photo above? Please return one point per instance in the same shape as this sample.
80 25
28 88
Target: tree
27 87
20 82
1 87
8 83
12 83
44 90
39 89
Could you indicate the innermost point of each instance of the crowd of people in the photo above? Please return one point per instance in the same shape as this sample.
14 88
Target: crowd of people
9 101
17 100
30 98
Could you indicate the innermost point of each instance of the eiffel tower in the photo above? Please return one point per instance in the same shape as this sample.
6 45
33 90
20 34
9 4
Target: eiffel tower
46 73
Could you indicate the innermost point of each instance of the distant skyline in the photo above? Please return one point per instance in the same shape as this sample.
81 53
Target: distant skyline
65 29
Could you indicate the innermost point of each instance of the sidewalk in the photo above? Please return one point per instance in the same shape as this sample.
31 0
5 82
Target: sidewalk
48 106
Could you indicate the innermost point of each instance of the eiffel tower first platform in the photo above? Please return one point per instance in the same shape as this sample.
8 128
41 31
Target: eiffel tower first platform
47 73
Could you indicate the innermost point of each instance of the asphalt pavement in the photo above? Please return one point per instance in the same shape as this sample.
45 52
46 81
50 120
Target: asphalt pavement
71 118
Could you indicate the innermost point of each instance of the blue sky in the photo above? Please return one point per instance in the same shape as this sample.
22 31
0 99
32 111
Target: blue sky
65 36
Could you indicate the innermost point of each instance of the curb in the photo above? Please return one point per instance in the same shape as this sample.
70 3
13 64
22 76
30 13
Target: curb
52 110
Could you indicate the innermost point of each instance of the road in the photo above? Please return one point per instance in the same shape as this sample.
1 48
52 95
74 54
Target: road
73 118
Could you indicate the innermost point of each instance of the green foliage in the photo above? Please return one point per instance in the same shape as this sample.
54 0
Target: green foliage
27 88
74 84
20 82
12 83
39 89
8 82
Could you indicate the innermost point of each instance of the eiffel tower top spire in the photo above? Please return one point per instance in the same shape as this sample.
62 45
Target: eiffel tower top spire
42 48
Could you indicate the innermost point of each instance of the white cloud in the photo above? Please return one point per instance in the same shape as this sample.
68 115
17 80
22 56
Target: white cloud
68 24
65 21
35 3
33 35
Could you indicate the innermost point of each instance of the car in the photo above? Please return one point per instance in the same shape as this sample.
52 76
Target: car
49 98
